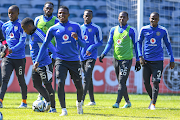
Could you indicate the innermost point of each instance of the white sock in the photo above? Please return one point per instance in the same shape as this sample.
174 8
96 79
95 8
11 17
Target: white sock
64 109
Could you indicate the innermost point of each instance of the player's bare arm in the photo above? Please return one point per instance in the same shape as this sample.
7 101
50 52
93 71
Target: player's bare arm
35 66
74 35
142 61
88 53
172 64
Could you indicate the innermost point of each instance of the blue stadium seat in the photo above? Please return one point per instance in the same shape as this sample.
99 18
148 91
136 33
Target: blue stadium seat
92 7
77 19
79 13
70 2
76 7
7 5
99 13
23 15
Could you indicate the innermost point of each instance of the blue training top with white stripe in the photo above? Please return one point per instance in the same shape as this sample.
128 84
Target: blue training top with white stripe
93 37
153 38
37 38
15 38
66 46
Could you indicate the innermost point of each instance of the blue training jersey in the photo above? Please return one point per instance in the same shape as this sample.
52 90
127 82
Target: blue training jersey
132 34
15 38
93 37
153 38
37 38
46 19
66 46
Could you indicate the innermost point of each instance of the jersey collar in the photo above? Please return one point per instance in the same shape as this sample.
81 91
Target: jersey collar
33 31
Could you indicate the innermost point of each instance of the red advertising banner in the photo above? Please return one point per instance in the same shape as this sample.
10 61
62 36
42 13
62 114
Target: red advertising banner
104 79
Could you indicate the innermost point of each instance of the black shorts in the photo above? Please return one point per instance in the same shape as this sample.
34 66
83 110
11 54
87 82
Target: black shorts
155 68
73 67
43 74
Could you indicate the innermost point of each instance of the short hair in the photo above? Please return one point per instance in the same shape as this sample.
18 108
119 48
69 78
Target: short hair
89 10
64 7
48 2
14 7
155 13
27 21
124 12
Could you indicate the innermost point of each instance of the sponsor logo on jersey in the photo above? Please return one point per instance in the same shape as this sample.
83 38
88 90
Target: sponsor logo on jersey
158 33
65 37
15 28
153 40
70 28
171 78
85 37
11 35
147 33
119 41
90 30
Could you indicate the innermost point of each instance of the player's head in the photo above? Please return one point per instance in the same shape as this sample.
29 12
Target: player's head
63 14
13 12
154 19
123 18
88 15
48 8
28 25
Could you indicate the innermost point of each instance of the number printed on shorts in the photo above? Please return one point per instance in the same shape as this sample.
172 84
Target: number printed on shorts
123 71
20 70
159 74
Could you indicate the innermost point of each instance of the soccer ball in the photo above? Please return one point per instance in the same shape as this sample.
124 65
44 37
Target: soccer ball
1 116
39 106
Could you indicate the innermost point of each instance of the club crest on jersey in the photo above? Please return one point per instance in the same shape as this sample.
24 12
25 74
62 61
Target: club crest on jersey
85 37
153 40
45 28
119 41
15 28
11 35
70 28
158 33
65 37
90 30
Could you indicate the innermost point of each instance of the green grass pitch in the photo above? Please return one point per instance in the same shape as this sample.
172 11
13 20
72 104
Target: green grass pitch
167 108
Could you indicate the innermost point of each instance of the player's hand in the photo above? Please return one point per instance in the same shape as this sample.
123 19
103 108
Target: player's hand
35 66
142 61
10 51
101 57
88 53
172 64
137 66
74 35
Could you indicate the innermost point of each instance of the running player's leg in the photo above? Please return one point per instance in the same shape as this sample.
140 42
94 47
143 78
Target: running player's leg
91 91
61 74
20 71
124 69
37 83
88 68
6 70
47 82
146 76
156 77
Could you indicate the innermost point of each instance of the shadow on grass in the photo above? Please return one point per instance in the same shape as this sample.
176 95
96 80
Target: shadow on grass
114 115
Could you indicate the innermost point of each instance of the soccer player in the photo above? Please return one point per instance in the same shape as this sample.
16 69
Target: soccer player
44 22
15 38
93 37
152 57
68 39
44 72
123 37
